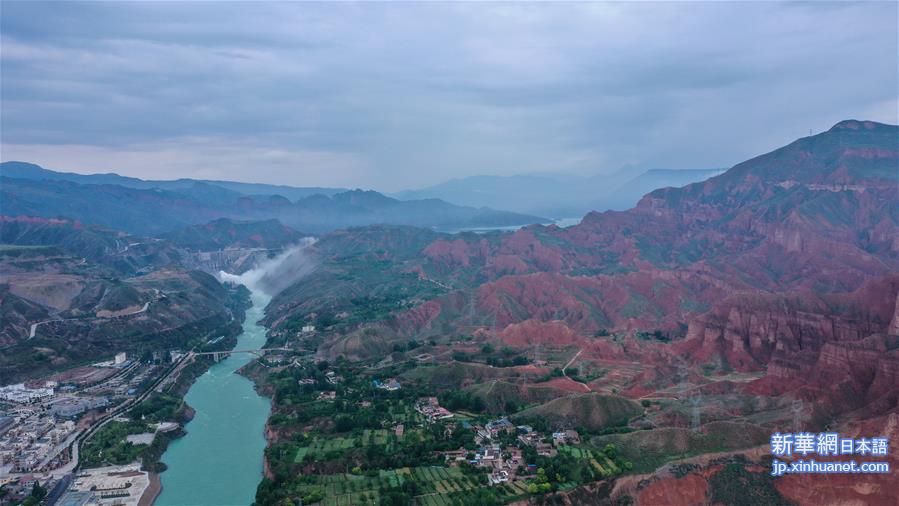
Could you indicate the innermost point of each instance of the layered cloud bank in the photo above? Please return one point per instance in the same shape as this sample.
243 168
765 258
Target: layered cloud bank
398 96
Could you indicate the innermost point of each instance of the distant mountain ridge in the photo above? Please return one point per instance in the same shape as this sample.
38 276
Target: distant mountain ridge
226 233
146 208
559 196
123 253
629 193
25 170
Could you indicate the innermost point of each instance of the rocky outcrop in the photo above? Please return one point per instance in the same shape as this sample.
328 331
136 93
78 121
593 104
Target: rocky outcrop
894 322
812 217
754 332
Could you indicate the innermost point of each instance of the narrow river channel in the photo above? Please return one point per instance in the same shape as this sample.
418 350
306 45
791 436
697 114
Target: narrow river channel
219 461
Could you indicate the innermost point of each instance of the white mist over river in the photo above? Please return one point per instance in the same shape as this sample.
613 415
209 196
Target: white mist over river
219 461
277 273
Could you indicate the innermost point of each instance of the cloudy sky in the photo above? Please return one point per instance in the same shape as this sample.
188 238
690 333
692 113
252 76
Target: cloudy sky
401 95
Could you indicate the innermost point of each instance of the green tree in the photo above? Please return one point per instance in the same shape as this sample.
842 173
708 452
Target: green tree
38 492
610 451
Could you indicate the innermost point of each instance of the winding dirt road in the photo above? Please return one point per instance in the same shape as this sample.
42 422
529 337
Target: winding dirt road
565 373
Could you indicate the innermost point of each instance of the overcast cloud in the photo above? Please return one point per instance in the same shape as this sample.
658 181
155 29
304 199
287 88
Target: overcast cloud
401 95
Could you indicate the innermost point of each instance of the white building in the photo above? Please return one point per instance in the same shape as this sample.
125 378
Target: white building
121 358
23 395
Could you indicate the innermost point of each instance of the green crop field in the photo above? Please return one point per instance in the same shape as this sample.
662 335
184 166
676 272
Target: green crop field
322 446
438 484
301 452
600 462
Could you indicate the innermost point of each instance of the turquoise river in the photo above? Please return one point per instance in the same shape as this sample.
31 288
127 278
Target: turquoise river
219 461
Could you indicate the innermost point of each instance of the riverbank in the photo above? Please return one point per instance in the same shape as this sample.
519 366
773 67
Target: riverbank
151 409
151 460
152 491
257 374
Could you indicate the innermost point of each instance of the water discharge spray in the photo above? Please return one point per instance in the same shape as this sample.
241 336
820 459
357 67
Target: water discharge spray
275 274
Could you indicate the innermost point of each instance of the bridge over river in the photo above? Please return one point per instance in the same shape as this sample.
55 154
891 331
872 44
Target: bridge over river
259 352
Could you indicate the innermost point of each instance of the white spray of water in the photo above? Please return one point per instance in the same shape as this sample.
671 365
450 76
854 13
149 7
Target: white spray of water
273 275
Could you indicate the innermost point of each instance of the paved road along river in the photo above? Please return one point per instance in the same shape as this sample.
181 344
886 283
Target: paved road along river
219 461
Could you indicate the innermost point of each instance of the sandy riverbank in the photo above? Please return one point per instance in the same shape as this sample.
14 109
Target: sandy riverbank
151 492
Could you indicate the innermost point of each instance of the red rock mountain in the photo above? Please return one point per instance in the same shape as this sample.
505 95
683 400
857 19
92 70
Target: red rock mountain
783 264
774 282
817 215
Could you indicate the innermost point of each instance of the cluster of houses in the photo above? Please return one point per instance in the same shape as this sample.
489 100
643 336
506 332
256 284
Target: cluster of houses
327 395
491 429
21 394
330 376
535 439
432 410
33 442
505 462
502 463
333 378
496 427
566 437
